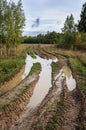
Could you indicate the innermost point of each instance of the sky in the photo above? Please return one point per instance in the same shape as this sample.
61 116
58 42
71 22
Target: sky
50 14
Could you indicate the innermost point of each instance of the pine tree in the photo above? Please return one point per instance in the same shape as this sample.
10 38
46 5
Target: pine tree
82 22
69 24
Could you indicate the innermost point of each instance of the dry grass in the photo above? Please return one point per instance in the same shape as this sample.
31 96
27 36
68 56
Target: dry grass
24 47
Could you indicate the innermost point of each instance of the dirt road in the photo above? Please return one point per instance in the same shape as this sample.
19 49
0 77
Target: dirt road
61 109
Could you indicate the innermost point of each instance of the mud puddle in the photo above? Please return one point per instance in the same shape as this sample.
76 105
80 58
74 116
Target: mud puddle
67 73
45 79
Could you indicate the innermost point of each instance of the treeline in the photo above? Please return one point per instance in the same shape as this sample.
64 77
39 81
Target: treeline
68 40
49 38
73 35
12 21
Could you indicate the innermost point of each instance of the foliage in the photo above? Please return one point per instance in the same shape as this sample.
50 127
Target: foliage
78 39
67 40
36 67
49 38
82 21
69 25
11 23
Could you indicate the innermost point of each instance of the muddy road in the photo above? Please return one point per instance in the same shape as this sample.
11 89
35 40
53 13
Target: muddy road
43 102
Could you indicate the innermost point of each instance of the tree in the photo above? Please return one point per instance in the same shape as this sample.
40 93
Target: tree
3 5
69 24
68 30
19 22
82 21
12 21
77 40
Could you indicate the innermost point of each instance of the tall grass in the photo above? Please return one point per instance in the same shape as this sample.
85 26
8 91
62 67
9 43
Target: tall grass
9 66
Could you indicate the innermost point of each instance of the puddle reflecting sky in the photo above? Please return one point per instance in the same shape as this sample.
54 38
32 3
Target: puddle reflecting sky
44 83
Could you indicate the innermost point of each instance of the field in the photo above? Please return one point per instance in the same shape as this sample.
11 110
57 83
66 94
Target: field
56 108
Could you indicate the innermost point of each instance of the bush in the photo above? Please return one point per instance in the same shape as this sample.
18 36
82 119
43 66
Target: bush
67 40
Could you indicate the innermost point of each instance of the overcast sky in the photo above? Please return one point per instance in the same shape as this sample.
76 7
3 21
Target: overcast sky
51 13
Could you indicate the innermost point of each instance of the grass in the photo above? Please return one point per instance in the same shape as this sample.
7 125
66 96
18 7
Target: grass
31 53
9 66
36 67
80 69
77 65
83 88
55 68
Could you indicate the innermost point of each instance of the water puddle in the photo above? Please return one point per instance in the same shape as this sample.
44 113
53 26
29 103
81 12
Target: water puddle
70 81
44 83
29 63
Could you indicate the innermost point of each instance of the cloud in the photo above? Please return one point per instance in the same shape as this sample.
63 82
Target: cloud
52 13
36 23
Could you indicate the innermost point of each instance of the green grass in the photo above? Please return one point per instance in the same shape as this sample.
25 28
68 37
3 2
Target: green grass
36 67
77 65
83 88
9 66
80 69
55 68
31 53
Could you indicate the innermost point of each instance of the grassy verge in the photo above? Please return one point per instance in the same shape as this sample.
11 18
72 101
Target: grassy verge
9 66
80 70
77 66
